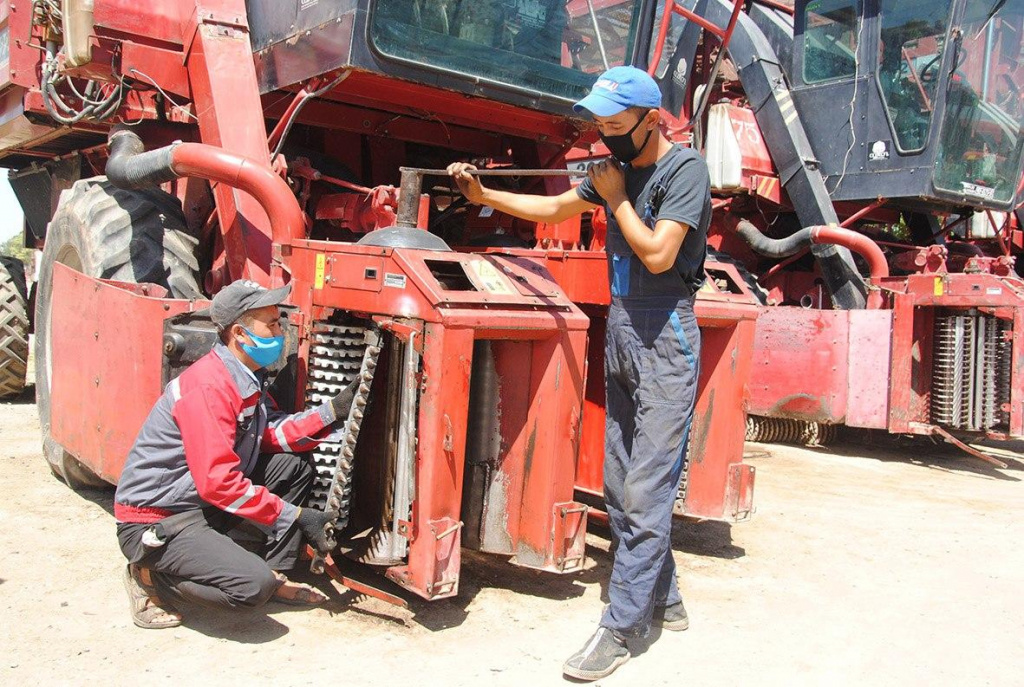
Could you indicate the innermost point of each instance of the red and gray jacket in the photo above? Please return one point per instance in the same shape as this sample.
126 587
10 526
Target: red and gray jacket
201 441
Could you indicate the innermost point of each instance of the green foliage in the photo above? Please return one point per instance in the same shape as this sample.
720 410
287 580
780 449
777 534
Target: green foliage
14 247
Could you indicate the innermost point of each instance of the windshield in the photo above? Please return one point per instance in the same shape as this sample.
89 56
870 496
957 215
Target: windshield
554 47
910 64
980 148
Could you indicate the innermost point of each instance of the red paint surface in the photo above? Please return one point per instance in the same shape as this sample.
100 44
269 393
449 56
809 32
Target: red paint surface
106 352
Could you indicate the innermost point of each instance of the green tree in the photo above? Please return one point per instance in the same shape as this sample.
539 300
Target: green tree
14 247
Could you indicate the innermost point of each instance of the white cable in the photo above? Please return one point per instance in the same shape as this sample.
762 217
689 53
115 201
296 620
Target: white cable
853 101
162 92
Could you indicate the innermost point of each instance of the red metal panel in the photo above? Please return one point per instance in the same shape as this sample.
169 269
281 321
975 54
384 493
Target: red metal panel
433 563
24 58
549 459
160 21
107 341
227 99
155 66
901 367
870 349
590 466
513 363
714 489
800 364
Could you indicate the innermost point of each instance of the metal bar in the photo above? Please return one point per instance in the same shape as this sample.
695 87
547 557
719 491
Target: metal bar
412 186
659 47
917 81
788 9
358 587
597 34
398 542
998 231
701 21
344 184
422 172
409 197
978 395
939 431
959 335
725 36
863 212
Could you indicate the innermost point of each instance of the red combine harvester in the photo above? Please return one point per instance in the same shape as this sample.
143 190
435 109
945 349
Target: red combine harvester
893 130
162 150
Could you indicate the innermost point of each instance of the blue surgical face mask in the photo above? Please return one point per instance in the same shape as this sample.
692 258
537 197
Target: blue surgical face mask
264 350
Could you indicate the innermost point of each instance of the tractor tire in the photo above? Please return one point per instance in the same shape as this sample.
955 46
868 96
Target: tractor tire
108 233
14 327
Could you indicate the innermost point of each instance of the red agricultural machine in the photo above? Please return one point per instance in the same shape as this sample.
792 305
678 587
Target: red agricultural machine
898 120
162 150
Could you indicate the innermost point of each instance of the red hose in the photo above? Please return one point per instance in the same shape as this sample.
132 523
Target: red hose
258 180
863 246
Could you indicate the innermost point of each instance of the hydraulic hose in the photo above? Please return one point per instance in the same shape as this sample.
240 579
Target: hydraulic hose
858 243
131 166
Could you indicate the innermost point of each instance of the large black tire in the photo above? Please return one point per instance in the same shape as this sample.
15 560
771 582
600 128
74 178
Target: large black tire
108 233
13 327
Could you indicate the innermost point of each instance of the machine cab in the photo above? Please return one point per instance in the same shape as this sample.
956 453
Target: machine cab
931 89
539 54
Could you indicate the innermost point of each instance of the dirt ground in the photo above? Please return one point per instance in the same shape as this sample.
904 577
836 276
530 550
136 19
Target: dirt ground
879 565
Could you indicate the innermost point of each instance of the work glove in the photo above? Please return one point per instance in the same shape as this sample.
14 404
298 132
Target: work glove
343 401
312 523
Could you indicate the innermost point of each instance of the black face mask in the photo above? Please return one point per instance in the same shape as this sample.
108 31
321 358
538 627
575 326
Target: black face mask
622 146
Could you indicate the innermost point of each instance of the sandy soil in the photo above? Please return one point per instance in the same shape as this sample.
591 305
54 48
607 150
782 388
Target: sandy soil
878 565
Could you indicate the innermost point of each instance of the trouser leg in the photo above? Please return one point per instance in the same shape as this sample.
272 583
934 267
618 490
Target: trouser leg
643 572
290 477
202 566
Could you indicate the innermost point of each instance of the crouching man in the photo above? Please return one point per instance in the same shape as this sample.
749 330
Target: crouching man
208 506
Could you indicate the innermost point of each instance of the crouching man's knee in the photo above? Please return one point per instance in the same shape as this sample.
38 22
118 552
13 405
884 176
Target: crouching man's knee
254 590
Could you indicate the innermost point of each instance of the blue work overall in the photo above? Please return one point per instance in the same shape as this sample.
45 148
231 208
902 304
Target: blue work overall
652 357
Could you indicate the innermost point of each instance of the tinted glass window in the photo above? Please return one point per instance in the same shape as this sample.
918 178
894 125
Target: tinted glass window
912 42
980 148
830 40
556 47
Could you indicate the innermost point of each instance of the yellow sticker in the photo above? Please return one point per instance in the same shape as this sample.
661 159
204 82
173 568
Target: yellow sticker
321 263
939 287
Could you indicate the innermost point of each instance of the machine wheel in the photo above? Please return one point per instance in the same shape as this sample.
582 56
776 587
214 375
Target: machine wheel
109 233
13 327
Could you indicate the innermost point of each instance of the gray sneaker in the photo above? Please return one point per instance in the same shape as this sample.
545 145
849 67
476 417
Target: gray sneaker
602 654
672 617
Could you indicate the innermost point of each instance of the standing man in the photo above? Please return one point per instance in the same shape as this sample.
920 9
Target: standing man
659 207
214 468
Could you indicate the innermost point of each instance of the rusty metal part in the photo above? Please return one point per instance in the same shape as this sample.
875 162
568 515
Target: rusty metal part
405 488
329 374
934 430
771 430
335 573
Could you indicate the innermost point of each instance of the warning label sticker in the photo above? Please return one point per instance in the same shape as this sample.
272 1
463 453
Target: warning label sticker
490 278
395 281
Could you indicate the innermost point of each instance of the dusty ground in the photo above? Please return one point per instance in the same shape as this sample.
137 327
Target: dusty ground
862 565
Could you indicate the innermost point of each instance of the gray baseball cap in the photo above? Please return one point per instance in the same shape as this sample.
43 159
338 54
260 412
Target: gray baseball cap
241 296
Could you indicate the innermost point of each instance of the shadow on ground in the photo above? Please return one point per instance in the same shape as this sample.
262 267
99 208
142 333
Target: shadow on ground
924 451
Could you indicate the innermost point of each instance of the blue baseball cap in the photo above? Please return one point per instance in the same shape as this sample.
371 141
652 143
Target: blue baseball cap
619 88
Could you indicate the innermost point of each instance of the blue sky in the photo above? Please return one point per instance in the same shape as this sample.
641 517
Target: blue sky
10 210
